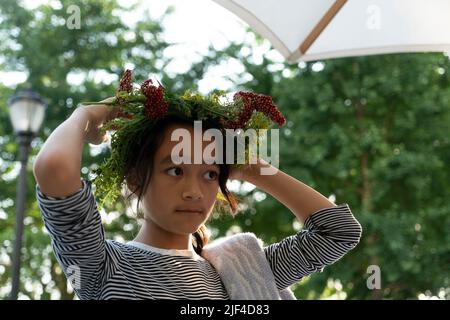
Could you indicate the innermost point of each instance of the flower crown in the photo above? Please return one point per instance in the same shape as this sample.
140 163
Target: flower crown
141 108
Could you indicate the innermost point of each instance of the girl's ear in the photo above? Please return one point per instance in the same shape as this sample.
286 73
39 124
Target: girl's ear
132 181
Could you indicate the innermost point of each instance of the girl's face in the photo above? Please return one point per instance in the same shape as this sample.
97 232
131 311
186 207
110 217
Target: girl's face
174 188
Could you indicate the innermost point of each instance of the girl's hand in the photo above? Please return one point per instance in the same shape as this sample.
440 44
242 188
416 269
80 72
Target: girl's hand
97 115
248 171
243 172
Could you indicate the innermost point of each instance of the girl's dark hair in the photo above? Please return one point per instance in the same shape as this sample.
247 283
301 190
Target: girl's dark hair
139 169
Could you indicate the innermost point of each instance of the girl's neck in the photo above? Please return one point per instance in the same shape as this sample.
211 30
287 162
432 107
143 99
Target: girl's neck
154 236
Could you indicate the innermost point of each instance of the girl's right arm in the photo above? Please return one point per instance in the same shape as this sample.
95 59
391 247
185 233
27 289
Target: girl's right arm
68 206
58 164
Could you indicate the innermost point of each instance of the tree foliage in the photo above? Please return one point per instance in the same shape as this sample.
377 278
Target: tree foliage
372 132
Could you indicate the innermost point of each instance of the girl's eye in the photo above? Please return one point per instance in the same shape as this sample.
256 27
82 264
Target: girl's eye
176 170
214 174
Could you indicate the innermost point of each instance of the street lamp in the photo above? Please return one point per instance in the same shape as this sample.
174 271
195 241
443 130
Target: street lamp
26 111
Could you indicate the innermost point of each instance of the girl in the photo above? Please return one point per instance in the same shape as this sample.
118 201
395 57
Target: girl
170 257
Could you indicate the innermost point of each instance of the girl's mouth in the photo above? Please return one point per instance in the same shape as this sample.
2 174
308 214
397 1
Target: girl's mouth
189 210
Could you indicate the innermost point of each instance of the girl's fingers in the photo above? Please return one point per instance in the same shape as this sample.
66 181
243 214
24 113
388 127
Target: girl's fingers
109 100
113 113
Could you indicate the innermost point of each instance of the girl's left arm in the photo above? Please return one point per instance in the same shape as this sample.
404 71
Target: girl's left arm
329 232
301 199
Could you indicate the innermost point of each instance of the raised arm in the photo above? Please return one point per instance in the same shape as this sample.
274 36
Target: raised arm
68 206
329 232
58 164
300 198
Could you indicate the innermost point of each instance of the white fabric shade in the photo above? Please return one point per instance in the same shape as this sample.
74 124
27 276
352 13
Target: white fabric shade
310 30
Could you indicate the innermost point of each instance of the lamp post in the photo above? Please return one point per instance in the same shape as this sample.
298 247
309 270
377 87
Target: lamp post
26 111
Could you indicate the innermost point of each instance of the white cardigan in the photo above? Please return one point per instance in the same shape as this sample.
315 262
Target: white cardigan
244 269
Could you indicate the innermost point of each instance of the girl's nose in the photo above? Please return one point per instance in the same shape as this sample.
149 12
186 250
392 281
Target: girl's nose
192 195
192 190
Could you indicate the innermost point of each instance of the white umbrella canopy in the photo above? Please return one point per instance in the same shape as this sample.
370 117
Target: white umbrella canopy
311 30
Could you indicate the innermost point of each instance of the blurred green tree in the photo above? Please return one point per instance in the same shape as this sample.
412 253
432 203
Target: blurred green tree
373 132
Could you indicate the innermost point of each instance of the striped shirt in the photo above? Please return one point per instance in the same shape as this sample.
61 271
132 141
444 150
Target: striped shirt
107 269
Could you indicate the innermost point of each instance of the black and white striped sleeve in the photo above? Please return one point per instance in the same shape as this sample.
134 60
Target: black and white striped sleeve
328 234
77 234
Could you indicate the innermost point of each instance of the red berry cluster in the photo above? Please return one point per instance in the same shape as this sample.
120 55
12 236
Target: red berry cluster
256 102
155 106
126 83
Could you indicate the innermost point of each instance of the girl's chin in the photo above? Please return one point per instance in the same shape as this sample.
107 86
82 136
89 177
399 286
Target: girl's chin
186 229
